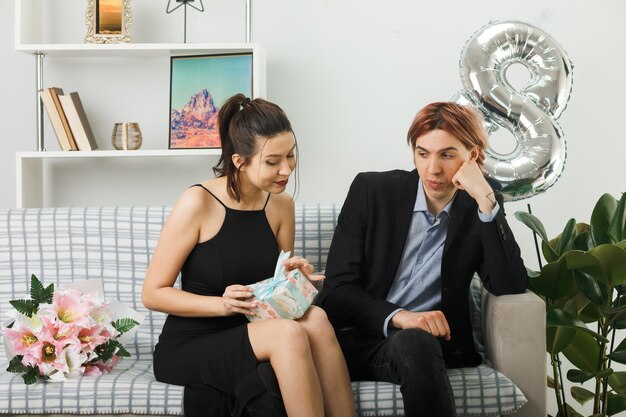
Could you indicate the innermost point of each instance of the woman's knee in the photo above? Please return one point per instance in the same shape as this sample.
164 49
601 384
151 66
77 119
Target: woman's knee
316 324
275 336
290 335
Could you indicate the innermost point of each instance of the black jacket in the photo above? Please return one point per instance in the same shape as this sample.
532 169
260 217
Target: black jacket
367 248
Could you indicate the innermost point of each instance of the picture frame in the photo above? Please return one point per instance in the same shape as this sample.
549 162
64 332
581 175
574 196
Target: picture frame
108 21
199 86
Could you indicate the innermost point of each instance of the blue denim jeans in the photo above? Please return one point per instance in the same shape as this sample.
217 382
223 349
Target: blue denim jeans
410 358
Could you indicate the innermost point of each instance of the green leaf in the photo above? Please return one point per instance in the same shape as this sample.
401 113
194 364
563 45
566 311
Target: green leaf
581 395
555 280
606 263
124 325
619 353
534 224
613 313
561 318
31 376
601 218
121 351
620 324
617 381
583 352
26 307
589 314
589 287
616 404
106 350
576 375
567 237
617 227
558 338
38 293
16 366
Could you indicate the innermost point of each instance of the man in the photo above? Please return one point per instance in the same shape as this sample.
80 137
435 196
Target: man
405 249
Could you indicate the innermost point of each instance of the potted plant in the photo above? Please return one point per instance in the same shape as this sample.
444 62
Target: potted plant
583 284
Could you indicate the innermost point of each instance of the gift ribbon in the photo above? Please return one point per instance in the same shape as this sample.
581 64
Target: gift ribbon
266 289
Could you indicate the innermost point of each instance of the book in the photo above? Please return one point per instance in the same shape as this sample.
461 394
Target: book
55 92
77 119
55 118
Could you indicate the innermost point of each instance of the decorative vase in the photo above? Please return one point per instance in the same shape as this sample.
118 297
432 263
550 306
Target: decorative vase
126 136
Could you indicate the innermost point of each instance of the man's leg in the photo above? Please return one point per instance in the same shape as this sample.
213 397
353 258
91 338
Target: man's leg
410 358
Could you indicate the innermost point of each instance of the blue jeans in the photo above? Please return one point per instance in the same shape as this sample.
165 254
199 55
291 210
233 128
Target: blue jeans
410 358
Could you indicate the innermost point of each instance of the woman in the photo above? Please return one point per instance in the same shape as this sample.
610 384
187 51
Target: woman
222 235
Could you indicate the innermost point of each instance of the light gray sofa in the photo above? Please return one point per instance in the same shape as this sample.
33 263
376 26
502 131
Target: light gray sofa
115 244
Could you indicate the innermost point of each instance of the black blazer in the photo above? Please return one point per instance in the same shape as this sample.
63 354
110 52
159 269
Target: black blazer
367 247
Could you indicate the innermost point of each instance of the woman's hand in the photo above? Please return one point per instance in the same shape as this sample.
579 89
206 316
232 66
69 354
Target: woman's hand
298 262
237 299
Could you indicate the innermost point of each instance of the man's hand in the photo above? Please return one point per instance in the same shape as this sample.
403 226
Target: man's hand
433 322
471 179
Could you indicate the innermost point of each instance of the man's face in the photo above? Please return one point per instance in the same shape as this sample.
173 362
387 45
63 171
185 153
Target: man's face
438 156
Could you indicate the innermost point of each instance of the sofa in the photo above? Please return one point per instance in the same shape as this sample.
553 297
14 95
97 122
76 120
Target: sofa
114 244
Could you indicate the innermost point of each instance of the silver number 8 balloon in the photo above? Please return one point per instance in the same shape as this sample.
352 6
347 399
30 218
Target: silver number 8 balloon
530 113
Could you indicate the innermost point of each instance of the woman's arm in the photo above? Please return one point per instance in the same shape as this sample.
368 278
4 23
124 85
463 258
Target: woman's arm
179 235
281 212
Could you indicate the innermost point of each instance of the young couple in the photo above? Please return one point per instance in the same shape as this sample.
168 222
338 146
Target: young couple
404 251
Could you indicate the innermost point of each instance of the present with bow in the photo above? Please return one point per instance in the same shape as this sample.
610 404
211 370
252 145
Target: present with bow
286 295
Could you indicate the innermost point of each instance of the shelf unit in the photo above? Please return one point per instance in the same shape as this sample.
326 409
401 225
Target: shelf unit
30 167
28 39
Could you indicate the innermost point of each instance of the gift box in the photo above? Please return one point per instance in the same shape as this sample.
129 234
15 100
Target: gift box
287 295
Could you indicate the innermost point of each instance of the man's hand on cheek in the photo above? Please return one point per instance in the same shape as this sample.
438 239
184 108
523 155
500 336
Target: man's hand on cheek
471 179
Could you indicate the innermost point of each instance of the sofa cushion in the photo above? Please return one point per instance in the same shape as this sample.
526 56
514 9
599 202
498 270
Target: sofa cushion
480 391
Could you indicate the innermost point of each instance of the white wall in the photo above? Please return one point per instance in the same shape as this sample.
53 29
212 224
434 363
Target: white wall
351 74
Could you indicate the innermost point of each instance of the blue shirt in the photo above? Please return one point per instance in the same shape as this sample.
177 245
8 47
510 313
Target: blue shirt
417 285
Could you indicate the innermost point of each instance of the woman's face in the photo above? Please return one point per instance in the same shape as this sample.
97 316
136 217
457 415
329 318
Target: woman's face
438 156
270 167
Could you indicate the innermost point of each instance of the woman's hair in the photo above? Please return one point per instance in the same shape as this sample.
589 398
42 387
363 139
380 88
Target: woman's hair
463 122
242 124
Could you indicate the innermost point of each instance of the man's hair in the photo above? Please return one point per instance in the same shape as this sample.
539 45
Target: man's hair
462 122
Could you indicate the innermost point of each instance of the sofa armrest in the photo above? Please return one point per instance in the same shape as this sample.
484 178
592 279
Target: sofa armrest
515 341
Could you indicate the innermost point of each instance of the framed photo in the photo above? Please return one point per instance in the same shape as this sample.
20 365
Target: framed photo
108 21
199 85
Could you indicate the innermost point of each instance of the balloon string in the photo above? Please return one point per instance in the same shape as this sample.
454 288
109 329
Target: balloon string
535 238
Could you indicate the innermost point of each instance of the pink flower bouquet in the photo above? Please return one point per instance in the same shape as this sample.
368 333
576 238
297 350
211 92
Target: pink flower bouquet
65 333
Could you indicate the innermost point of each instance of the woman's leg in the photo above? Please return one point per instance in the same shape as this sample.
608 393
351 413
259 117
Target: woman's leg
284 343
329 363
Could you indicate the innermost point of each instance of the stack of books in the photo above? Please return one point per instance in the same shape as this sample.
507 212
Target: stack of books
68 119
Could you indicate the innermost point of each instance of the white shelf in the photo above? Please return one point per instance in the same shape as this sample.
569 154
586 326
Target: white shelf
118 154
30 167
137 50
